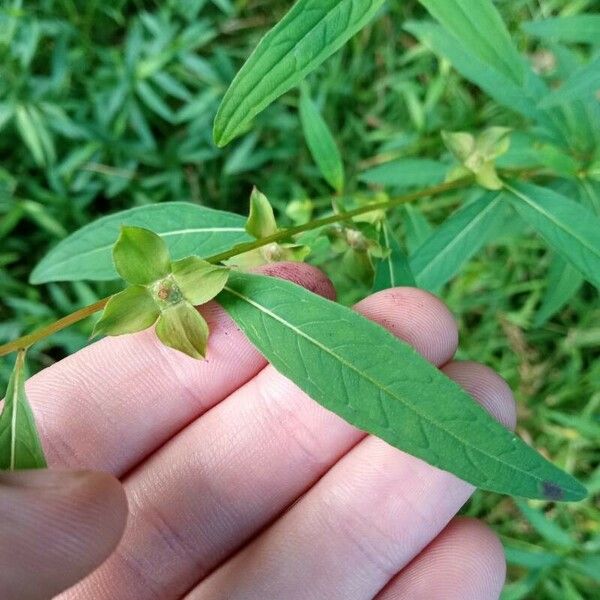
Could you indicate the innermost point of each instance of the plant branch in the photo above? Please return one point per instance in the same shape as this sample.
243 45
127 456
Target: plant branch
44 332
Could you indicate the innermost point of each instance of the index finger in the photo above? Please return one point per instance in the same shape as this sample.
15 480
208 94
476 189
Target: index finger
113 403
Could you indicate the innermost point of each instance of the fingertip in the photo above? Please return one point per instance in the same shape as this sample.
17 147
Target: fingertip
308 276
487 387
417 317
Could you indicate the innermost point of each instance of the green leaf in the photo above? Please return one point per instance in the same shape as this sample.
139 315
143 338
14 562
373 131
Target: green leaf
380 384
182 328
406 173
198 280
131 310
393 270
261 222
583 83
453 243
20 446
418 228
577 29
546 528
564 281
481 31
321 143
30 135
187 228
569 228
308 34
141 256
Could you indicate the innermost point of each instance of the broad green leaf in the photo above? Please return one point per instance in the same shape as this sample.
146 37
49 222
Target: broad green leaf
578 29
481 31
564 281
198 280
569 228
394 269
141 256
129 311
183 328
453 243
20 446
583 83
321 143
308 34
380 384
406 173
187 228
261 221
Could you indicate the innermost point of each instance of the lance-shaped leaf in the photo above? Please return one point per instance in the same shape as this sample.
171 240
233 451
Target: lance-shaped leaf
394 269
20 446
131 310
380 384
321 143
141 256
564 281
406 173
579 29
198 280
568 227
182 328
310 32
481 31
456 241
187 229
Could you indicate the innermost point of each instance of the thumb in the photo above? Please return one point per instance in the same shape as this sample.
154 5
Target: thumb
55 528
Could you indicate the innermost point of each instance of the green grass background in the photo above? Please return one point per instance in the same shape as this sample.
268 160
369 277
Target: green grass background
119 98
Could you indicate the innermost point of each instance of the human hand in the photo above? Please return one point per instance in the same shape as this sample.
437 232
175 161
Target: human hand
239 486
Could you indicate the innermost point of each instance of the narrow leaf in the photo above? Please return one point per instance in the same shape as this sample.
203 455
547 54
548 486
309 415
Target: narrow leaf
481 31
583 83
564 281
380 384
20 446
187 228
405 173
321 143
568 227
394 270
548 529
310 32
577 29
418 228
456 241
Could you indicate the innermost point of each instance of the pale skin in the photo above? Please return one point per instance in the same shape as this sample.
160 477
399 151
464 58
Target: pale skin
173 478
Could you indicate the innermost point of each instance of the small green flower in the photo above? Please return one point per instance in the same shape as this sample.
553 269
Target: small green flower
261 224
477 155
161 292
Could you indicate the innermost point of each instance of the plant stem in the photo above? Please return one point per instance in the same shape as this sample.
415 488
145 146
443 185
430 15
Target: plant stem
28 340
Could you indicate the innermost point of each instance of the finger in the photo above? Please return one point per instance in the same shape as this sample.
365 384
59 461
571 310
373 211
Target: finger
233 471
370 515
55 528
114 402
465 562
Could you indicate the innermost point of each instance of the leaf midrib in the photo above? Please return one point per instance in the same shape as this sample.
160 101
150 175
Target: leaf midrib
318 344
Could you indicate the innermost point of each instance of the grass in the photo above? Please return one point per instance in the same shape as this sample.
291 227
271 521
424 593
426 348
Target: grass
116 103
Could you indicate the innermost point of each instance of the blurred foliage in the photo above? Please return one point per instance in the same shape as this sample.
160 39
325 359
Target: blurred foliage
105 106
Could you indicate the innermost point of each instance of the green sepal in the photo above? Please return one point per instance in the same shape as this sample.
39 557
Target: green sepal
487 177
141 256
183 328
270 253
493 142
20 446
198 280
460 143
131 310
261 221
